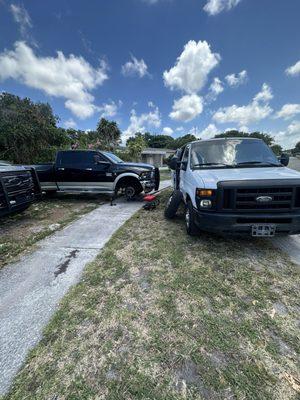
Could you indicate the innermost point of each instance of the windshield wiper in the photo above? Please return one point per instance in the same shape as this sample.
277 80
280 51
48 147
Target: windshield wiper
211 164
258 162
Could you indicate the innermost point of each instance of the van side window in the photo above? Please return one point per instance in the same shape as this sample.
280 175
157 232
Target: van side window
186 154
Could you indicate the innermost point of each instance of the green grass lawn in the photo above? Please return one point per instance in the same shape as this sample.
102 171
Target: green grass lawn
165 175
19 232
160 315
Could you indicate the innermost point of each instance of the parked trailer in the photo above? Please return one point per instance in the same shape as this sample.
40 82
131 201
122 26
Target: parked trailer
19 187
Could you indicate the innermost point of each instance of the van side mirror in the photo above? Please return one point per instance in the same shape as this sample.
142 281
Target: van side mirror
284 159
173 163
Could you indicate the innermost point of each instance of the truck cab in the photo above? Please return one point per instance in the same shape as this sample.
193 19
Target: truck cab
236 186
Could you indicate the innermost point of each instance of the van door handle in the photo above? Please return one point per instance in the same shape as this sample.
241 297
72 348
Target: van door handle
61 169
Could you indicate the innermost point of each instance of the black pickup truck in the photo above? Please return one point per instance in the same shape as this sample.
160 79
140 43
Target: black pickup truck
87 171
19 187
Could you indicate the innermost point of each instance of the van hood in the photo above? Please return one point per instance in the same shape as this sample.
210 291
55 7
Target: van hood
211 177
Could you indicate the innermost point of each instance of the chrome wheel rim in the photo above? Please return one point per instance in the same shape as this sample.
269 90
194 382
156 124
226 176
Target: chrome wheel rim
187 218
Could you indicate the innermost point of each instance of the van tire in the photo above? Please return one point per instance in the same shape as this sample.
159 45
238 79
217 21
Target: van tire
173 204
191 227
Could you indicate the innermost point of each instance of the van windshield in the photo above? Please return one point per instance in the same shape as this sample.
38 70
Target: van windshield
232 153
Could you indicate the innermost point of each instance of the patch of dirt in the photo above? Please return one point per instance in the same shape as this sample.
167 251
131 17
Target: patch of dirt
187 374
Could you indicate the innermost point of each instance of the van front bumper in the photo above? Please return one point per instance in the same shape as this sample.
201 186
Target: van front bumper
242 223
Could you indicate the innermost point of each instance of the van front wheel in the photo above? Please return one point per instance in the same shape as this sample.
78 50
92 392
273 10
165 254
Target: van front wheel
191 227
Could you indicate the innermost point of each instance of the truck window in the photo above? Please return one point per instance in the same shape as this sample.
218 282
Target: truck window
77 158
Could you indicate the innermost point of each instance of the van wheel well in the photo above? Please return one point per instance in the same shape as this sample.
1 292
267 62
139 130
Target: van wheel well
187 198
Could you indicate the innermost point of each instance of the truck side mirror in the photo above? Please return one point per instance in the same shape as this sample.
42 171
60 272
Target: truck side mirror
105 164
284 159
173 163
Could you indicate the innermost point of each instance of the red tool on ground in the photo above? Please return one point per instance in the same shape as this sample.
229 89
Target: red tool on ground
151 202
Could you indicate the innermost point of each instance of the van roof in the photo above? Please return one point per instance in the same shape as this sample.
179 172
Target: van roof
225 138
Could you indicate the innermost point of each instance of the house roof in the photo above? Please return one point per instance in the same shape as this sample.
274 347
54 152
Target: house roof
151 150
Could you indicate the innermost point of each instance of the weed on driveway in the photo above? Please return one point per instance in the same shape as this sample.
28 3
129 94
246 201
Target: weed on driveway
160 315
21 231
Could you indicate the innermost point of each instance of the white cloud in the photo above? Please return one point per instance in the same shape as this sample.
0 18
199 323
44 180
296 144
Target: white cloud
140 123
237 79
215 89
265 94
135 67
255 111
294 70
214 7
290 137
187 108
192 67
109 109
22 18
288 111
251 113
209 132
70 124
167 131
69 77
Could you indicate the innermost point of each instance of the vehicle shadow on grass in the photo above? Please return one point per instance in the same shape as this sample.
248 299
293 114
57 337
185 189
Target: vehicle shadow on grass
229 238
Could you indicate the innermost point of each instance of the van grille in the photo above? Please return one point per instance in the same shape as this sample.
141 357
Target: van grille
258 198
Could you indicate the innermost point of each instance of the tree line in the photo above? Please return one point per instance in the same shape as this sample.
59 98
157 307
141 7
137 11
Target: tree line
29 133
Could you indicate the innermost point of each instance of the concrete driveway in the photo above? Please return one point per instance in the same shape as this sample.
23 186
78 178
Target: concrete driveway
294 163
30 289
290 244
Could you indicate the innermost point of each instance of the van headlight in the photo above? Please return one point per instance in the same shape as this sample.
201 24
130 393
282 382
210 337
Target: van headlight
206 198
205 203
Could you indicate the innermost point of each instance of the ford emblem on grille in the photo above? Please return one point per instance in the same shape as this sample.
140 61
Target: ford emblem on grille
264 199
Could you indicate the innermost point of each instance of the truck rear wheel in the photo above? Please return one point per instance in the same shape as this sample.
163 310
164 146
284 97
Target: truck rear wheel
191 227
173 204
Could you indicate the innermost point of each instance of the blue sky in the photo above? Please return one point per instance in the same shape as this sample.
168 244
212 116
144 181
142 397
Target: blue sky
172 66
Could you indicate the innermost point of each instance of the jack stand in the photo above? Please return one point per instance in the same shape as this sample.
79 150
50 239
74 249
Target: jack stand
112 199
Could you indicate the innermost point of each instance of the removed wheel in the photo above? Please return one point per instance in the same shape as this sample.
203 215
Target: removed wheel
173 204
191 227
130 191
